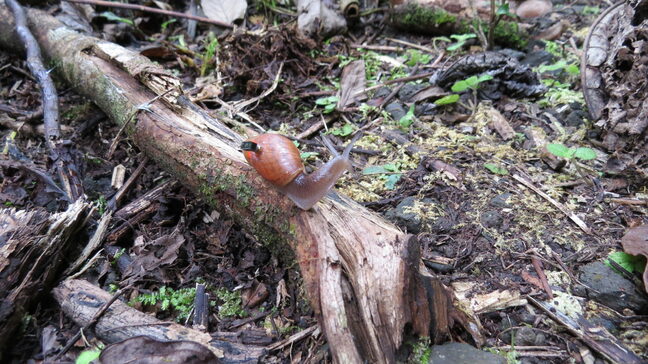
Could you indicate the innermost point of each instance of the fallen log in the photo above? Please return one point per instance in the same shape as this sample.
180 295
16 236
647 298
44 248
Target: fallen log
361 273
80 300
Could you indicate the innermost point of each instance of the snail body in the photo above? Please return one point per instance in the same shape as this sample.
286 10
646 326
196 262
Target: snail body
277 160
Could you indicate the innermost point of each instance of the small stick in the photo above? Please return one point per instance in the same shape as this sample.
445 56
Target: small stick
152 10
543 278
557 204
67 172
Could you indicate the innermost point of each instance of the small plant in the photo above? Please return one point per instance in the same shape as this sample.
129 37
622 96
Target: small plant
210 51
629 262
562 65
560 150
109 15
461 40
345 130
470 83
329 103
494 168
447 100
102 204
232 304
421 351
408 119
591 10
180 300
390 173
87 356
415 57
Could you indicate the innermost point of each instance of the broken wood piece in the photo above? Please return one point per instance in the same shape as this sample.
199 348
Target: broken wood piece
201 309
36 246
596 337
118 176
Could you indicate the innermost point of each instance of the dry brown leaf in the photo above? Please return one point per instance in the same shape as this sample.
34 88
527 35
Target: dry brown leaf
635 242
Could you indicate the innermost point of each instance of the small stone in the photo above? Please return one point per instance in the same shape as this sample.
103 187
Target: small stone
610 288
459 353
534 8
500 200
396 110
536 58
491 219
410 220
408 90
525 336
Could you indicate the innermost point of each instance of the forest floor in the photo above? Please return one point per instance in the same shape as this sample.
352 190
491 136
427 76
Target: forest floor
502 219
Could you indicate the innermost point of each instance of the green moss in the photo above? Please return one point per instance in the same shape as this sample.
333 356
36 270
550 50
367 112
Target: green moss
417 15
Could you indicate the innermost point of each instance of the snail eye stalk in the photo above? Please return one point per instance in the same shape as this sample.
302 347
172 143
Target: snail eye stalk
250 146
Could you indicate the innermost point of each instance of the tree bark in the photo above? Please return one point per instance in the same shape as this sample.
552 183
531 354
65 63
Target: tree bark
361 273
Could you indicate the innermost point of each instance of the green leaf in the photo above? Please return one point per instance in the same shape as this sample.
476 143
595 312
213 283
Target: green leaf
629 262
408 119
446 100
391 181
483 78
559 150
391 167
113 17
345 130
586 154
327 100
494 168
573 69
460 86
306 155
87 356
503 9
374 170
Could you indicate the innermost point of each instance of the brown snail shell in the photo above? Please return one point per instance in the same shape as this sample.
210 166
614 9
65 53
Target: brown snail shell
276 158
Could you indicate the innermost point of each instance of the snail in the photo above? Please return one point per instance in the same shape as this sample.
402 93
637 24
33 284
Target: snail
277 160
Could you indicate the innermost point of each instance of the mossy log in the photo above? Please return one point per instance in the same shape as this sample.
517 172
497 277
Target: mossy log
361 273
444 18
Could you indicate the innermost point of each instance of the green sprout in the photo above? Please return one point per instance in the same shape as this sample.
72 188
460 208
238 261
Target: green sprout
180 300
232 305
408 119
461 40
582 153
329 103
494 168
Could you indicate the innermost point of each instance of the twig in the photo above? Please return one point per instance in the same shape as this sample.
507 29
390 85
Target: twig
543 278
152 10
63 161
292 339
557 204
112 205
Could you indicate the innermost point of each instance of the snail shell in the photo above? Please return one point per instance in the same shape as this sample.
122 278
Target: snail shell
276 159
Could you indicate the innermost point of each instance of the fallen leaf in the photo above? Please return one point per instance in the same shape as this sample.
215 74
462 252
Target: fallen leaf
635 242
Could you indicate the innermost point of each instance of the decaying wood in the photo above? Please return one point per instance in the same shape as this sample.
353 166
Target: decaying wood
361 273
446 17
33 245
80 300
596 337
